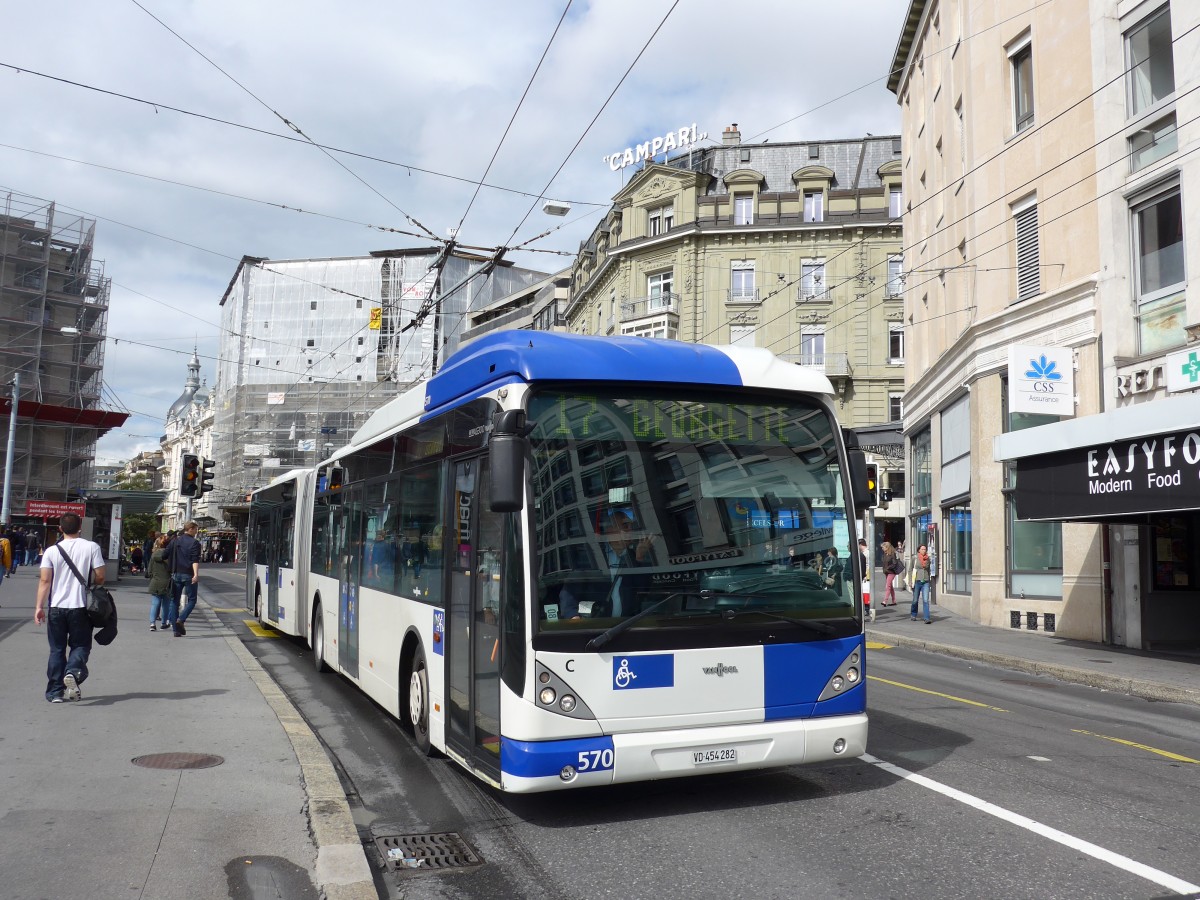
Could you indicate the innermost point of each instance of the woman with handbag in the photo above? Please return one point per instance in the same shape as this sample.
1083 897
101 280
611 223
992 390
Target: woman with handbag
891 567
162 602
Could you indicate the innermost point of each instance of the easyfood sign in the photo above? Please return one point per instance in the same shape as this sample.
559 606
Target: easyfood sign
672 140
1157 473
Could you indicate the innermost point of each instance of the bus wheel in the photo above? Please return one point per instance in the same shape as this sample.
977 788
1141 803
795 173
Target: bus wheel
318 640
258 603
418 702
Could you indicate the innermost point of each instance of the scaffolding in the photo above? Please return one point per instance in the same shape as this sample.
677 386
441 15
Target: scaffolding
311 347
53 324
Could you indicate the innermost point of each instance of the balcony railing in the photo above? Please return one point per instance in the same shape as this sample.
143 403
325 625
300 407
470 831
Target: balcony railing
812 293
743 295
666 302
832 364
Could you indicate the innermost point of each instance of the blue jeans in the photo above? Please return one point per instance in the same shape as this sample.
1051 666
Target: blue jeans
920 591
67 629
164 605
179 583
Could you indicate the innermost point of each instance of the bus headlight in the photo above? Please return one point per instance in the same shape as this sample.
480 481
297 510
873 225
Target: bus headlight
567 703
852 676
837 682
839 746
547 695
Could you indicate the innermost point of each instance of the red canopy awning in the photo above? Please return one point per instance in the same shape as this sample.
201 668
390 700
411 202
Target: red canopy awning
100 419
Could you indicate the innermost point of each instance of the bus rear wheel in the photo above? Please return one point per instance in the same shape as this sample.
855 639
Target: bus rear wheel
418 702
318 640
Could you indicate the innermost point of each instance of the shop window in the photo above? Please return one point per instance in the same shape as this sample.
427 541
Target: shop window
954 557
1172 560
1034 548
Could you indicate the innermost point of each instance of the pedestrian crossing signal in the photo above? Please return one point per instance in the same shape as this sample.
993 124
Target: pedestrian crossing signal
206 476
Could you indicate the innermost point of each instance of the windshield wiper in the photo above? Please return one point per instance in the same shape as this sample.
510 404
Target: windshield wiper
605 636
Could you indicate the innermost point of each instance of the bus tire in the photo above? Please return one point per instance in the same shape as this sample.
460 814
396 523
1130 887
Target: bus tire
318 640
418 702
258 603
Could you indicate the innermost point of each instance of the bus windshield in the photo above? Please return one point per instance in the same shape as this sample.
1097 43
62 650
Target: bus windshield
683 508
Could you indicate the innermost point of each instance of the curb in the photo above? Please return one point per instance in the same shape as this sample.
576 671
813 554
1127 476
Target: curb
1136 687
342 870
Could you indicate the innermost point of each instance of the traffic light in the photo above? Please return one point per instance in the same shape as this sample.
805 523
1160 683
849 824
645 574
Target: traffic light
206 476
189 475
873 484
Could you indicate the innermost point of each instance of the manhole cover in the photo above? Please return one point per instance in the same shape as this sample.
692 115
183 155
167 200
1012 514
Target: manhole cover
427 852
1036 684
178 761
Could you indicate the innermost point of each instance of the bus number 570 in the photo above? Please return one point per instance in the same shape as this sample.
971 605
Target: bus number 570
594 760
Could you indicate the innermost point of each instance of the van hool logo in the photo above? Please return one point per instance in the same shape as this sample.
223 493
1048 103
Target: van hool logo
720 670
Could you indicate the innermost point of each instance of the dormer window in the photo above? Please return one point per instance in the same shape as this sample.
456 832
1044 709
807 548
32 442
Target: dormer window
814 206
743 209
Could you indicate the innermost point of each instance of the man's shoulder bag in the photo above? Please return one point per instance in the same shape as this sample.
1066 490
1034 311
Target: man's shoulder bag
100 605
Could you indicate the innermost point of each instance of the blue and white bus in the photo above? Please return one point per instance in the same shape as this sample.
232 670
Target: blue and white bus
568 561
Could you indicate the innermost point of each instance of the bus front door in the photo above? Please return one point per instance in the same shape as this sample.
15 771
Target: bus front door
472 626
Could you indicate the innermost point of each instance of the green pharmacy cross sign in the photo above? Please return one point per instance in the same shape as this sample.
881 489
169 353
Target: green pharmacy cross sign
1191 368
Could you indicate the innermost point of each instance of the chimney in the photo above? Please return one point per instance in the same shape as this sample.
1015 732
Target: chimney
731 137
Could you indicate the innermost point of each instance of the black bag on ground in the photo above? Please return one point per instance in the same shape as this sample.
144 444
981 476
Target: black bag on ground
101 608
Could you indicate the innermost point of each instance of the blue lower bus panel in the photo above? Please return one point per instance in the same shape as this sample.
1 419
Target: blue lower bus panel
539 759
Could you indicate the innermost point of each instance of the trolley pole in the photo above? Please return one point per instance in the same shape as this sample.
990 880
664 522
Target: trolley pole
6 512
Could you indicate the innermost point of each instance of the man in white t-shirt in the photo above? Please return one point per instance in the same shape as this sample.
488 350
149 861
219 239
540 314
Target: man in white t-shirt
68 627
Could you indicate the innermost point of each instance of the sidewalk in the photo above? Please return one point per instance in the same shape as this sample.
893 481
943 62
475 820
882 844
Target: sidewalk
1154 676
82 816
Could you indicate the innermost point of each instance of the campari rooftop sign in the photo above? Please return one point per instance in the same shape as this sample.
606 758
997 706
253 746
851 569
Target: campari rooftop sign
682 137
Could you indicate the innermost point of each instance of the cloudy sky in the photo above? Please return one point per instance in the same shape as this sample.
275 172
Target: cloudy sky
165 123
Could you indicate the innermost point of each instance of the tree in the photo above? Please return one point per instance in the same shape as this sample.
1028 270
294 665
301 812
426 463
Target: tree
136 527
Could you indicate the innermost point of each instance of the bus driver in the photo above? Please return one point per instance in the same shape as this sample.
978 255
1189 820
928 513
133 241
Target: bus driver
623 552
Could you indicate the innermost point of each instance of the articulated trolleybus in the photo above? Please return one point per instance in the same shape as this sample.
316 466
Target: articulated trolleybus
569 561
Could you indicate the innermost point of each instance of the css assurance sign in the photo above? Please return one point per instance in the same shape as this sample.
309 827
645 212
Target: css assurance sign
1041 380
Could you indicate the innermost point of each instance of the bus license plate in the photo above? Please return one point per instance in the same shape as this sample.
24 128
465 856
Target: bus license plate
714 755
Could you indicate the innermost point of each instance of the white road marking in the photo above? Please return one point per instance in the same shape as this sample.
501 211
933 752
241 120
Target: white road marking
1039 758
1170 882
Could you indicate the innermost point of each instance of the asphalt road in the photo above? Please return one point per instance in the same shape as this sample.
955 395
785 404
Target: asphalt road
980 783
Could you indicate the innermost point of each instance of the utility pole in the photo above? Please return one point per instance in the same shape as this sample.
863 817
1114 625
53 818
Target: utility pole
6 513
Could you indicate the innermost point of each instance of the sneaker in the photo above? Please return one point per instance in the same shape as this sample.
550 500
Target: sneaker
153 627
57 700
73 692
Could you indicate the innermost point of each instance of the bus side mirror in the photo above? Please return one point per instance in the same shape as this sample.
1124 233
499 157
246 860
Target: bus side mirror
509 446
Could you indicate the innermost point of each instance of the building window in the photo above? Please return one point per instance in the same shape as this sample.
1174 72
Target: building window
895 276
743 335
655 328
812 279
743 209
814 206
1160 271
659 287
1029 262
922 484
895 203
1150 83
956 449
895 344
1034 548
895 407
812 346
1022 69
955 557
742 277
661 219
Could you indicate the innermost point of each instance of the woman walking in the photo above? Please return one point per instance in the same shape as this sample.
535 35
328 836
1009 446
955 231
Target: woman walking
920 584
161 601
891 567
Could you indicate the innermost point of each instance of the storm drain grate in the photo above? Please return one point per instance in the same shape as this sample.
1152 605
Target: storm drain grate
427 852
178 761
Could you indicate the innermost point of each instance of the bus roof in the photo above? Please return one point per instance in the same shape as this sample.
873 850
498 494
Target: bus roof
522 355
553 356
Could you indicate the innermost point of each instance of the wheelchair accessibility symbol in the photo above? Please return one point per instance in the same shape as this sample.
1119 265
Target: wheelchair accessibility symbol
624 676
